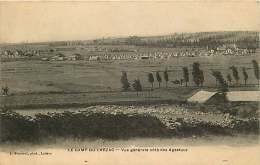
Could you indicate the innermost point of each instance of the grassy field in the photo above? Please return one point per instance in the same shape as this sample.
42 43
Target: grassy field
34 82
86 76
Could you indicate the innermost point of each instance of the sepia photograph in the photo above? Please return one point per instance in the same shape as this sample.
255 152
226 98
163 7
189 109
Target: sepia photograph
129 82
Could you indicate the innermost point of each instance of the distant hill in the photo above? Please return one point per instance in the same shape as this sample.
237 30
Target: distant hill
245 39
200 39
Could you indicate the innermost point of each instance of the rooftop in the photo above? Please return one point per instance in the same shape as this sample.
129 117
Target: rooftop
232 96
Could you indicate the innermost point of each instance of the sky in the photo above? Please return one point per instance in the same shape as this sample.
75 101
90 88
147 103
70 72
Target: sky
55 21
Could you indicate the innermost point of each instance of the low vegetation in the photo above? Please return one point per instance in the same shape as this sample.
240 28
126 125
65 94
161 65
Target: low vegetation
117 122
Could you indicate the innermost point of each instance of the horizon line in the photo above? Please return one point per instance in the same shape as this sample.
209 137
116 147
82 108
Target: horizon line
120 36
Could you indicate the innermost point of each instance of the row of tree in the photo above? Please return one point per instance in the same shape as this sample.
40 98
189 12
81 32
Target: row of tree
126 85
249 41
244 73
223 84
198 77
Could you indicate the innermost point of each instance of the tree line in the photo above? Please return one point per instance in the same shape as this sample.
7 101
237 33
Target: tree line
197 73
248 41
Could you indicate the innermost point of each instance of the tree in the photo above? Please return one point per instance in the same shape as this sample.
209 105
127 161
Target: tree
159 79
137 86
201 77
229 78
235 73
166 77
245 75
185 75
197 73
215 74
223 87
151 79
256 70
124 81
5 90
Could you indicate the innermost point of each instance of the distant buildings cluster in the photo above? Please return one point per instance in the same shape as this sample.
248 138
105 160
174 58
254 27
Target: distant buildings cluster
220 51
62 57
99 53
229 50
18 53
